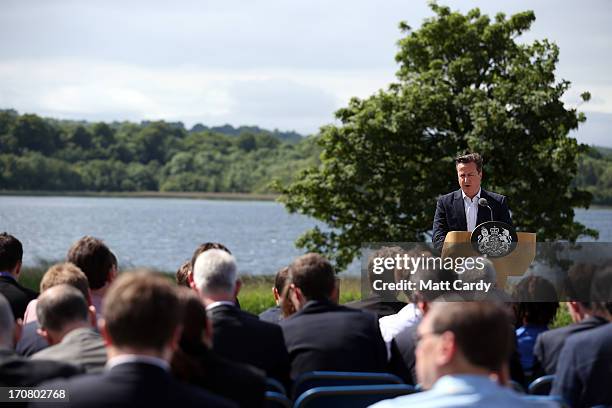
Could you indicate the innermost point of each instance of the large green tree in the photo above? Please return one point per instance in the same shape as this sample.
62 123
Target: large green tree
464 84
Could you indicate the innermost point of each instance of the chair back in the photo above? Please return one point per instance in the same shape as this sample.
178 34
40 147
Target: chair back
360 396
276 400
275 385
315 379
541 385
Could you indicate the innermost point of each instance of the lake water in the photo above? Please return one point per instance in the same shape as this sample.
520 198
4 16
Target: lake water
161 233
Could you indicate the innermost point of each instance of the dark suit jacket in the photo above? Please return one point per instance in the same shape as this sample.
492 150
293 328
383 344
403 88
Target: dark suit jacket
450 213
30 342
17 295
377 304
271 315
133 385
241 383
17 371
584 369
549 344
242 337
326 336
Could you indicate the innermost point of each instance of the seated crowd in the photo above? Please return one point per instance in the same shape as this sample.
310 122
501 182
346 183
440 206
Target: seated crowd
137 339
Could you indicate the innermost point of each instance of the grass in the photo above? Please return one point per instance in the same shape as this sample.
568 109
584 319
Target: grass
256 293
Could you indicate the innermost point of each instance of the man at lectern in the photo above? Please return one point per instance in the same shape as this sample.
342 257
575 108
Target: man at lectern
461 210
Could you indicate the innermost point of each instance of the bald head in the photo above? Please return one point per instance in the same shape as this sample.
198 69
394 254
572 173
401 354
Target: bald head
60 306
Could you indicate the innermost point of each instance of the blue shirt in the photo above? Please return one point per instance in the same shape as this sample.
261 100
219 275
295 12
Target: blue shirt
526 337
463 390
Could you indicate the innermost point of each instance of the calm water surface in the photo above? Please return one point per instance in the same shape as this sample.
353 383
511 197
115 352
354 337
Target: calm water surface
162 233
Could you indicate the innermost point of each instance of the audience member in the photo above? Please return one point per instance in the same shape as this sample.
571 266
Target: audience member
141 326
194 362
577 293
323 335
63 273
65 323
584 368
237 335
535 308
183 274
380 301
458 346
11 254
275 314
16 371
98 263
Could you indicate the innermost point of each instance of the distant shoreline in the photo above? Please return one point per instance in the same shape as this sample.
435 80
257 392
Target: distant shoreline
144 194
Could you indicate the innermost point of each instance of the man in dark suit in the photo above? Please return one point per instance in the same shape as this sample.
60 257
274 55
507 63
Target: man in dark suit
237 335
16 371
584 368
11 254
459 210
141 326
549 343
323 335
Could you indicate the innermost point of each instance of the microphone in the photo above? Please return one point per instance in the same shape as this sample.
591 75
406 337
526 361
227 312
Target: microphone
484 203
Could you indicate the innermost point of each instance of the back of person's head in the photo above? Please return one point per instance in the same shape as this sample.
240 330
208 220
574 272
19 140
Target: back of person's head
214 272
601 290
94 258
536 301
60 306
482 330
431 270
482 270
7 323
11 252
141 311
182 274
378 271
313 275
281 279
577 284
65 273
194 318
207 246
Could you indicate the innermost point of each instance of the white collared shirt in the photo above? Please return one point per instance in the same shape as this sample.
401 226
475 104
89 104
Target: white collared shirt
471 209
392 325
220 303
137 358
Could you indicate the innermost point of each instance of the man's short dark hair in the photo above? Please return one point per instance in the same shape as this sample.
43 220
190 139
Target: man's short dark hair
536 301
11 252
577 285
280 280
94 258
142 310
483 331
313 275
601 289
205 247
470 158
59 306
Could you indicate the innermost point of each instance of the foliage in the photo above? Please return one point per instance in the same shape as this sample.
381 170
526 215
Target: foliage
46 154
464 84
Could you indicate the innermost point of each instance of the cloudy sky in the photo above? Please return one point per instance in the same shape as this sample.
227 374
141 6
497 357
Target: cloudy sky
286 64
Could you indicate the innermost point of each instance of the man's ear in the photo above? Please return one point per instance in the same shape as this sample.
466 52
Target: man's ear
17 331
190 281
108 341
91 310
446 349
17 268
44 334
276 295
112 274
237 289
296 296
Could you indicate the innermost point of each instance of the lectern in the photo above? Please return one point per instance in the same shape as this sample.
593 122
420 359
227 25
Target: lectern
457 244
